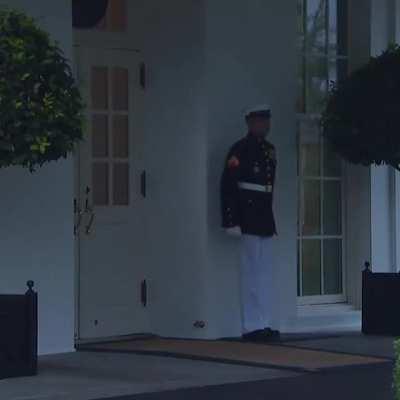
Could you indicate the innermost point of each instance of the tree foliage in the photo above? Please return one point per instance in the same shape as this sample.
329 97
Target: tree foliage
41 107
361 119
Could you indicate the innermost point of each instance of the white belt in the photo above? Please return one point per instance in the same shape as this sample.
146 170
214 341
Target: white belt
252 186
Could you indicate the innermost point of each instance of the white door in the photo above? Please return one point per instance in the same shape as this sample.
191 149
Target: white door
109 213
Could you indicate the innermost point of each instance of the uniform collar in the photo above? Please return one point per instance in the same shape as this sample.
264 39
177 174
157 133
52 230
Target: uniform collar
254 138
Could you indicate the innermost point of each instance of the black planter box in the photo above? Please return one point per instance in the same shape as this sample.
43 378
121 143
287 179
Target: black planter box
18 334
380 302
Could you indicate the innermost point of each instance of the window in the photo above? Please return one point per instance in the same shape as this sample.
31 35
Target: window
115 19
110 158
322 51
322 47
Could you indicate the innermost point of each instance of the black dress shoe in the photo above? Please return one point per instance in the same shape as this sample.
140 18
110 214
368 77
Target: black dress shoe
261 335
273 334
253 335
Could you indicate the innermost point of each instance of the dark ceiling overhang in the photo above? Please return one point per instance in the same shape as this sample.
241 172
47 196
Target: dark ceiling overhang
87 13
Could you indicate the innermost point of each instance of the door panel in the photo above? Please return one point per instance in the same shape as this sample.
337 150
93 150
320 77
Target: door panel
111 267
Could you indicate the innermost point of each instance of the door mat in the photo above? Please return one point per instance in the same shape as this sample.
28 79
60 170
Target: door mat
253 354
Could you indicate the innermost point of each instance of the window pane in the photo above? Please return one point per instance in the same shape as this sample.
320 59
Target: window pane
316 84
121 184
298 269
310 156
99 88
332 208
99 135
301 100
120 88
333 266
333 20
332 162
342 27
338 28
120 136
312 207
115 19
301 25
337 70
311 267
100 183
310 152
316 26
117 15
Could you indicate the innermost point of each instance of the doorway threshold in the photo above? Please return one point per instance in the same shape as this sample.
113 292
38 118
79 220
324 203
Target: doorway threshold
114 339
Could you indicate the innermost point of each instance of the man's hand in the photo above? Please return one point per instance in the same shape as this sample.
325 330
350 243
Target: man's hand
234 231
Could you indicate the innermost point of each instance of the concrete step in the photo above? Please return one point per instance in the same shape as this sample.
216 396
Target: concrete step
320 318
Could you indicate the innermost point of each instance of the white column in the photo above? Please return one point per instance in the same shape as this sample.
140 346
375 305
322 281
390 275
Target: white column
358 179
395 32
384 27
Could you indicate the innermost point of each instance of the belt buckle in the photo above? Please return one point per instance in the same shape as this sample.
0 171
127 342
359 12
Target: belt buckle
269 188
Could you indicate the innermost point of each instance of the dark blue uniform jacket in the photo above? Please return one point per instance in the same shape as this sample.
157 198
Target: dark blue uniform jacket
250 160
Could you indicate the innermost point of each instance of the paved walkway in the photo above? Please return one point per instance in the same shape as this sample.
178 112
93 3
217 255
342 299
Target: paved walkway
87 376
94 376
365 383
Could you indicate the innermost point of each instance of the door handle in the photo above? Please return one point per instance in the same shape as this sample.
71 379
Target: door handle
89 210
88 229
143 292
143 183
78 215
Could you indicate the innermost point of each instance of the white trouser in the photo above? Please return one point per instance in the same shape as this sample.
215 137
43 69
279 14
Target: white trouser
256 285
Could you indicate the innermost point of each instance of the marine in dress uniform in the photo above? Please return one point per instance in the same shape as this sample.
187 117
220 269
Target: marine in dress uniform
247 188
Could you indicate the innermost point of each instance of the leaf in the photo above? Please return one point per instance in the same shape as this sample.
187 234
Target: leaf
6 146
29 54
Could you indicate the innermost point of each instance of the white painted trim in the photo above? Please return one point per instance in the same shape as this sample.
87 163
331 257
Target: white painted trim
321 300
76 159
391 19
395 194
396 11
396 220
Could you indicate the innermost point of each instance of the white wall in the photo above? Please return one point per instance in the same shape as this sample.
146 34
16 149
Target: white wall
381 219
395 200
207 61
357 178
383 23
172 42
36 227
251 58
373 219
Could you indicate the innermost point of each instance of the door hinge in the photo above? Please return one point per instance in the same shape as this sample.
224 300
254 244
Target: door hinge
144 293
142 75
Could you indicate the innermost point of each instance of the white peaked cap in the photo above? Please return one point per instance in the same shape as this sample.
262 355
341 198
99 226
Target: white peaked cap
257 108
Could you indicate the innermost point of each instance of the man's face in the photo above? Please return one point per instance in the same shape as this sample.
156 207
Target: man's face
259 125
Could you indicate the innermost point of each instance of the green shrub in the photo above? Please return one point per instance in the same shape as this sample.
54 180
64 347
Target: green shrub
396 374
361 119
41 116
